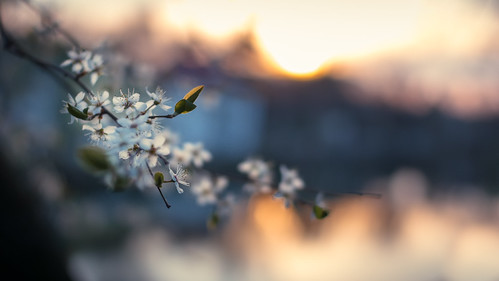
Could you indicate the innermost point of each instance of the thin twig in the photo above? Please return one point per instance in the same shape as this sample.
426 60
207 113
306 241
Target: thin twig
162 116
13 47
49 23
159 189
164 160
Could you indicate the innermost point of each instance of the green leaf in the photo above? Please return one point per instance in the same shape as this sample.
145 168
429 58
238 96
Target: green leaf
94 158
320 213
184 106
193 94
120 183
159 178
213 221
76 112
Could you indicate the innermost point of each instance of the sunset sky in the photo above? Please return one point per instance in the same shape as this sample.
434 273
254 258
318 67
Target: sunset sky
429 47
302 36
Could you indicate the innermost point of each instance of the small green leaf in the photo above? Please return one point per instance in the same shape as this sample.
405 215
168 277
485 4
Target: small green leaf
76 112
159 178
320 213
193 94
120 183
184 106
94 158
213 221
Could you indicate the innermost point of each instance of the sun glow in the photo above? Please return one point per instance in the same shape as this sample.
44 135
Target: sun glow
300 37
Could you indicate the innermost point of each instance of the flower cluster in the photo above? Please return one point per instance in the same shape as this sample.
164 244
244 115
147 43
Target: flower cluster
134 142
261 176
131 146
85 62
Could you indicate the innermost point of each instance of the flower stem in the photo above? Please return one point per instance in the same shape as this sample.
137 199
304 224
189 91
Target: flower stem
159 189
162 116
13 47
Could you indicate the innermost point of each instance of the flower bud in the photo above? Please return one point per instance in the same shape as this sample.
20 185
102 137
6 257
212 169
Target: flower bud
159 178
320 212
193 94
212 222
119 183
184 106
94 158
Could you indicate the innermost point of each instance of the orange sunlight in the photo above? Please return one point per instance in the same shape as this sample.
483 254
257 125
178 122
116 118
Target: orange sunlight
300 37
412 54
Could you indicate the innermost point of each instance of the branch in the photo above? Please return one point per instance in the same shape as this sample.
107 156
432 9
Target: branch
159 189
13 47
162 116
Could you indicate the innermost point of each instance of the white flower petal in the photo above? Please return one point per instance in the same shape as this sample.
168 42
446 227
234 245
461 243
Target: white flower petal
164 150
109 129
104 96
88 128
124 154
79 97
134 98
179 190
93 77
66 62
77 67
145 143
152 160
159 141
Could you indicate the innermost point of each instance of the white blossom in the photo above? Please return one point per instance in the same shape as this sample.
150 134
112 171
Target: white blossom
129 103
76 102
153 148
258 187
171 138
205 192
198 155
98 133
206 189
78 60
98 101
124 142
259 172
290 180
180 157
95 67
139 126
158 99
256 169
179 177
319 200
83 62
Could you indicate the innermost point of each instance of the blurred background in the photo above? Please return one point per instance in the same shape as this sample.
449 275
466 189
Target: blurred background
397 97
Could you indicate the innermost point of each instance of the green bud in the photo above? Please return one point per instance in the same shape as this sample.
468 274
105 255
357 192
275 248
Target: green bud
120 183
213 221
193 94
76 112
184 106
320 213
159 178
94 158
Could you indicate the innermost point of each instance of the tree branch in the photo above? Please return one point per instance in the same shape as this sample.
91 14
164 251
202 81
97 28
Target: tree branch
13 47
159 189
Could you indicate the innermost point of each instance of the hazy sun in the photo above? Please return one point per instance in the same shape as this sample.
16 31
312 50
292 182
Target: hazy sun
301 36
